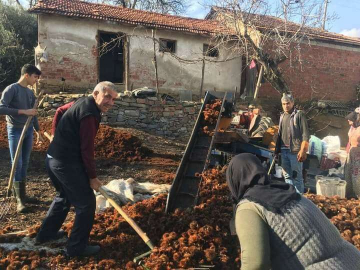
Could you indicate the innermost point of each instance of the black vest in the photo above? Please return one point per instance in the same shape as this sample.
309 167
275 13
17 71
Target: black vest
66 143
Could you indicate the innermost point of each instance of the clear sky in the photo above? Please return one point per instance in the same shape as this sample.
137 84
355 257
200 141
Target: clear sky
347 11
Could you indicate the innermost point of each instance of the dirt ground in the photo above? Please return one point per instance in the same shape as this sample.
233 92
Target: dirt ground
198 238
157 165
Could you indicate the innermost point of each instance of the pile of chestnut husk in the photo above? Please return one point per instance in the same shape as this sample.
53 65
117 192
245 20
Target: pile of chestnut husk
343 213
186 238
211 114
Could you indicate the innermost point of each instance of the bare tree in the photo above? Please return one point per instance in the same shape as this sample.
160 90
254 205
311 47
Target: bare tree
19 4
162 6
269 31
32 3
25 3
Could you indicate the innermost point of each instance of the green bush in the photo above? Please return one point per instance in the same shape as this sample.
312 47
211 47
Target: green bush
18 37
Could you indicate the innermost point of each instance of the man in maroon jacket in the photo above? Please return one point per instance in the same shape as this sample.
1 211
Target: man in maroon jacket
71 166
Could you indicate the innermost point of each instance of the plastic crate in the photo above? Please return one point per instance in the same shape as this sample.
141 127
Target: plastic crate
329 187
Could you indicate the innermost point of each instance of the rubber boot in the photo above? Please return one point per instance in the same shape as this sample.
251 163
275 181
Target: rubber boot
19 190
29 199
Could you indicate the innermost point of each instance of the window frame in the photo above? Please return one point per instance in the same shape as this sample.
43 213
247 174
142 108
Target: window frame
166 48
209 49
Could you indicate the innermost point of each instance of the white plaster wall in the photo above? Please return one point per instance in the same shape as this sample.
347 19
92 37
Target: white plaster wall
178 74
65 37
76 39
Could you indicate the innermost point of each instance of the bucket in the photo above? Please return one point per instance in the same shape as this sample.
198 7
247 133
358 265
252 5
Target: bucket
330 186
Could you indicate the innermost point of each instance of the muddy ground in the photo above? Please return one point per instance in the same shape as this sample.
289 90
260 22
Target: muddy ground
158 165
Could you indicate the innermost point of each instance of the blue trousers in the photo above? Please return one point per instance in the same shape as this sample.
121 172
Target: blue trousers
24 156
292 169
72 185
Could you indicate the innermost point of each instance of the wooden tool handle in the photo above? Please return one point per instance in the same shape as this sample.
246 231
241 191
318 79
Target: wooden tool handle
129 220
47 135
271 165
18 148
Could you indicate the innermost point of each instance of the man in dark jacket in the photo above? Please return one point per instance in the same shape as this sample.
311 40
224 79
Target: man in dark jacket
71 166
292 142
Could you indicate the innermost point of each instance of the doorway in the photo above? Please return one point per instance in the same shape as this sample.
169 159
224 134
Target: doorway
111 57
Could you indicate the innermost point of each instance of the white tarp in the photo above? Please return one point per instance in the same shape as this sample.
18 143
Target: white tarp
129 191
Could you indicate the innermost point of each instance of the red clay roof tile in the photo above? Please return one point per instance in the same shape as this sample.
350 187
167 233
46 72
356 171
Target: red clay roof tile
77 8
82 9
266 23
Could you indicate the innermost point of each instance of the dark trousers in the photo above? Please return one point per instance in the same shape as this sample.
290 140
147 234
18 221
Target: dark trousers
72 185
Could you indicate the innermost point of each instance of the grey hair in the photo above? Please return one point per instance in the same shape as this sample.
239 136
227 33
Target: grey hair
287 98
101 86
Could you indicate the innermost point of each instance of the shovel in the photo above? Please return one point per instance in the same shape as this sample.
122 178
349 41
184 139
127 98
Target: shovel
128 219
7 202
132 223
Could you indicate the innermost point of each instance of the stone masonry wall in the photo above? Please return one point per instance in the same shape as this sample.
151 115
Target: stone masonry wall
170 119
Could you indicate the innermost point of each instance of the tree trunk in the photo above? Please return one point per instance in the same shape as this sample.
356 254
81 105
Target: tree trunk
271 70
18 2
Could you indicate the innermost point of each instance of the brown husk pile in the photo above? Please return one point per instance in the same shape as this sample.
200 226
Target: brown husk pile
343 213
184 239
211 114
110 143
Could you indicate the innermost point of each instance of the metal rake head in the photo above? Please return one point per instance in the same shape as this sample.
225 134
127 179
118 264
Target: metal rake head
5 206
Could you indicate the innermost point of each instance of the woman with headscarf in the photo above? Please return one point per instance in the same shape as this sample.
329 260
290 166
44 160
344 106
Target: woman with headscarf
280 229
352 165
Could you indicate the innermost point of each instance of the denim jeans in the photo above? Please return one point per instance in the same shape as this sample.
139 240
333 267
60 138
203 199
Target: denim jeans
14 134
292 169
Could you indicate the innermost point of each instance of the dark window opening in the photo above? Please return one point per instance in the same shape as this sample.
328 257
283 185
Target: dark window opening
210 51
111 58
167 45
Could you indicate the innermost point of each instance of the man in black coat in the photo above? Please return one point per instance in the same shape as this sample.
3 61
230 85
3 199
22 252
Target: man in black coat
71 166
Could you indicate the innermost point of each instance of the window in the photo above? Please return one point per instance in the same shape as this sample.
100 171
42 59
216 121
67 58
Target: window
210 51
167 45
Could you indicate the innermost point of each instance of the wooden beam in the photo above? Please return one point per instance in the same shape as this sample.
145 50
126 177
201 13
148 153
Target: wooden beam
155 63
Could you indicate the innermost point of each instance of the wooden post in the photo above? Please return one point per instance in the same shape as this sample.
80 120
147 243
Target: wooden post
36 88
241 71
126 62
258 84
202 76
155 63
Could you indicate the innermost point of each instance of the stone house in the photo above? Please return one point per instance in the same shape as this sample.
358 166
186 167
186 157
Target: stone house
82 43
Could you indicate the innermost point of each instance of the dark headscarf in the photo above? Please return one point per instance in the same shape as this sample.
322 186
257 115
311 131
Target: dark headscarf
353 116
247 179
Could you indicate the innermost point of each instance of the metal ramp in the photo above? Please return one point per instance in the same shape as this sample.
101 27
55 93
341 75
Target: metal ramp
185 188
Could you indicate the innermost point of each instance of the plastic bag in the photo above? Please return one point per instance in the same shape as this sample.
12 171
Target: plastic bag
316 147
332 144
